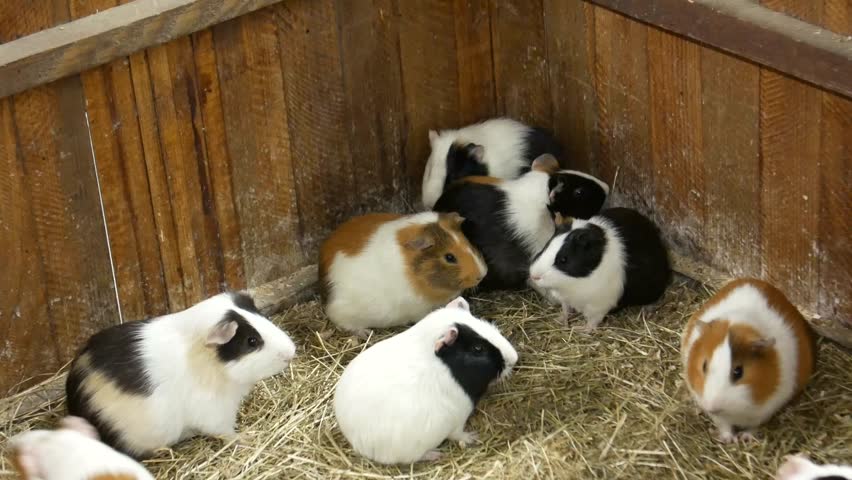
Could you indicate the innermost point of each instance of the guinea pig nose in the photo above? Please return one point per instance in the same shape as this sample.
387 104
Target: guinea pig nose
535 278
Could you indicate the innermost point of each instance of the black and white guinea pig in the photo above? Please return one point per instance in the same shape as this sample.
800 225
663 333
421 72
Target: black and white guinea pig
397 401
613 260
575 194
799 467
148 384
499 147
507 220
71 452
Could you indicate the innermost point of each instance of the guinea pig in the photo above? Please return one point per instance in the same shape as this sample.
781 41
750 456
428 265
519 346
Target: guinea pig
72 452
613 260
397 401
574 194
151 383
799 467
507 220
383 270
499 147
746 353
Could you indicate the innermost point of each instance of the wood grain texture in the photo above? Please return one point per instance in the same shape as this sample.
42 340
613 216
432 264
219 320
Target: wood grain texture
676 137
430 79
104 36
730 122
837 16
520 61
477 100
570 29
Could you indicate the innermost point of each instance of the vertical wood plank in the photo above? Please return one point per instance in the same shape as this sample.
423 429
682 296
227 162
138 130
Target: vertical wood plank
430 78
730 122
570 29
316 113
477 100
520 61
675 116
837 16
372 77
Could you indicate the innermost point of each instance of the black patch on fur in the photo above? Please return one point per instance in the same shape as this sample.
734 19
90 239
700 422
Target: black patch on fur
486 227
473 361
539 141
462 163
832 477
244 301
581 251
79 405
245 341
430 263
575 196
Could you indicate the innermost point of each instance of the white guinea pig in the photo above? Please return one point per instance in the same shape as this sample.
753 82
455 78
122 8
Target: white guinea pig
746 353
383 269
499 147
799 467
399 399
71 452
148 384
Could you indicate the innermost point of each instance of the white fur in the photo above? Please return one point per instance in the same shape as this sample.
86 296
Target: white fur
67 454
799 467
527 199
372 290
397 401
594 295
194 392
745 305
504 141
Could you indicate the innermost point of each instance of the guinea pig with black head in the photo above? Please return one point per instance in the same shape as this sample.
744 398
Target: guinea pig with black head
574 194
151 383
500 148
397 401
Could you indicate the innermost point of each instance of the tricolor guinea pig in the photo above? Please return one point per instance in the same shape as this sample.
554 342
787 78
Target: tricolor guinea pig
613 260
499 147
383 270
71 452
799 467
746 353
148 384
397 401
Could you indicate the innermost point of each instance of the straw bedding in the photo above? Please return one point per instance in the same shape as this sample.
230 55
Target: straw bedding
610 404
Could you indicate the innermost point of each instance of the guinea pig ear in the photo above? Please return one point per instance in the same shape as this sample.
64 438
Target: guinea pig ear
459 303
454 218
447 339
420 242
794 465
545 163
477 152
761 344
222 332
433 135
79 425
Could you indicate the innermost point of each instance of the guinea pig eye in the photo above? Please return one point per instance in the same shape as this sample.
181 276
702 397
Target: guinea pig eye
561 260
737 373
704 367
252 342
450 258
478 348
578 192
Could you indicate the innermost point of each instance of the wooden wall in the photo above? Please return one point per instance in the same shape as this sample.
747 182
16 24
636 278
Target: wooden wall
221 159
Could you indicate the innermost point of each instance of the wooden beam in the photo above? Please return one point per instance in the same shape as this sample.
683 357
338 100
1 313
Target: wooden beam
754 32
114 33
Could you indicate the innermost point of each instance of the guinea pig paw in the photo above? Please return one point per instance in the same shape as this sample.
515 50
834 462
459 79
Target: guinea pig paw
431 456
726 436
465 439
746 437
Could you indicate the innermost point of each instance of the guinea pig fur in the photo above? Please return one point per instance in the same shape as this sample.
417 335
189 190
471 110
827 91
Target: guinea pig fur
72 452
382 270
613 260
148 384
508 221
746 353
397 401
576 194
799 467
499 147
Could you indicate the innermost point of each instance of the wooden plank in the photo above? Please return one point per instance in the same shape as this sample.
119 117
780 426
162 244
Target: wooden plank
570 29
258 139
837 16
114 33
369 40
316 113
730 121
430 82
520 61
754 32
676 137
477 99
621 86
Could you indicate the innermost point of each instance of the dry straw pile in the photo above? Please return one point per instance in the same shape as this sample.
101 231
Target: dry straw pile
605 405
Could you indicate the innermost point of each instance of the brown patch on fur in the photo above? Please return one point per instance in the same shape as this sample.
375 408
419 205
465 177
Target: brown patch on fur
16 464
428 270
713 334
114 476
760 365
349 238
481 180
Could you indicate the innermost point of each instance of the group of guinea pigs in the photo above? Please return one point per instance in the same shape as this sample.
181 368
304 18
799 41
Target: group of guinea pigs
502 215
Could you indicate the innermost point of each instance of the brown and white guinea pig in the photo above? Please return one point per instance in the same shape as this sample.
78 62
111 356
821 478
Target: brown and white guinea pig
71 452
799 467
398 400
499 147
149 384
383 270
746 353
